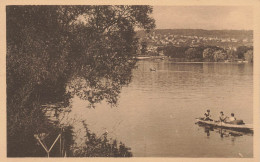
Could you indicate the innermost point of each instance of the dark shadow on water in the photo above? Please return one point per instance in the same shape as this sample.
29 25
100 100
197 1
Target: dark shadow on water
208 129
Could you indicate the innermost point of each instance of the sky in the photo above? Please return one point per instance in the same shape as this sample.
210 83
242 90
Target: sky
204 17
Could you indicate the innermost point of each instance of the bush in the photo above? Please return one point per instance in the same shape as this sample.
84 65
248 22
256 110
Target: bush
47 46
101 147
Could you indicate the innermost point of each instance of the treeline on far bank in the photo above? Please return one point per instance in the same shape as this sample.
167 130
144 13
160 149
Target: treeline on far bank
208 53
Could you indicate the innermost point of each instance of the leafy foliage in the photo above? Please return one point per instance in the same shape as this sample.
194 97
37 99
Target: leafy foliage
101 146
242 50
49 46
176 52
192 53
249 55
209 53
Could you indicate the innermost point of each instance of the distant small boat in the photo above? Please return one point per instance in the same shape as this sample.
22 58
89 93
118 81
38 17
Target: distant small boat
142 57
240 61
227 61
241 127
152 69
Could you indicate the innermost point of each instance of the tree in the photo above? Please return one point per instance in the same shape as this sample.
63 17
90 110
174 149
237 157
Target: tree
249 56
241 50
175 52
49 46
231 54
190 53
143 48
208 54
194 53
213 53
220 55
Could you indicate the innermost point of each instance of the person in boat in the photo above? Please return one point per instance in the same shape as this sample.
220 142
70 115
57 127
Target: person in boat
232 117
232 120
207 115
222 117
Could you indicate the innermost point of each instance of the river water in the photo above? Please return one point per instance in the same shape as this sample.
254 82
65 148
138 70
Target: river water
157 110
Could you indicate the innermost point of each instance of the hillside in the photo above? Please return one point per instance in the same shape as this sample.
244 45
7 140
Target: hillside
197 37
237 34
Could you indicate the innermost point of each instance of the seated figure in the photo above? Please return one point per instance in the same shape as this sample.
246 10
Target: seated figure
207 116
232 120
232 117
222 117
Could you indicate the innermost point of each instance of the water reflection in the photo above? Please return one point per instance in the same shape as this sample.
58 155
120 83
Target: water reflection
156 110
208 129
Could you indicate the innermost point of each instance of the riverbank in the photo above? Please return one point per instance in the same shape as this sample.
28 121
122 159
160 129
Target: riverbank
203 53
146 57
200 60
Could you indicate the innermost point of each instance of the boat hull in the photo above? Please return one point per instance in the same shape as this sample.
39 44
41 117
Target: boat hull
246 127
142 57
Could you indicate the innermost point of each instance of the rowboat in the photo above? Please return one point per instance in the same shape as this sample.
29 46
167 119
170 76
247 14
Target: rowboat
243 127
152 69
142 57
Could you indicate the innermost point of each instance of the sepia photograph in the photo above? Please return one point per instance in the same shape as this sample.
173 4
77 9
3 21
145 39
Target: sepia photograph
130 81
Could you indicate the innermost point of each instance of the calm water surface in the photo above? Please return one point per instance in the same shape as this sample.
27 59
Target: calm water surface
157 110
